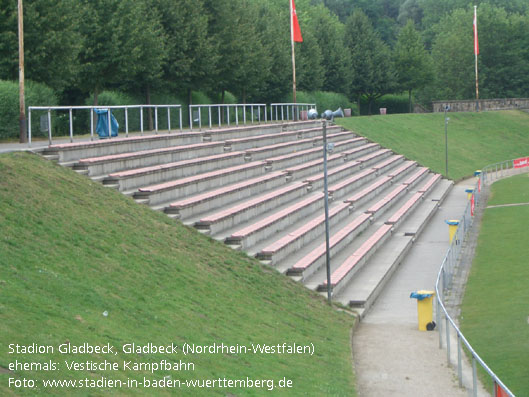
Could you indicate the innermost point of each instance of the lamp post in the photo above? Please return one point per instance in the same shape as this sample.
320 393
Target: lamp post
23 127
326 194
447 108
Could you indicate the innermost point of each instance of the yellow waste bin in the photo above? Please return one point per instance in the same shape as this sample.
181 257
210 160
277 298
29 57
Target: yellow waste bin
469 192
424 309
452 228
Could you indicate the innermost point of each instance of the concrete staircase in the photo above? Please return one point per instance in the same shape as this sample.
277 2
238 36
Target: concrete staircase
260 189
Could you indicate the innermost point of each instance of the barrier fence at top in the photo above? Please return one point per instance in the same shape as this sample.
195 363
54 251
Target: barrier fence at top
447 270
289 111
47 126
221 113
69 120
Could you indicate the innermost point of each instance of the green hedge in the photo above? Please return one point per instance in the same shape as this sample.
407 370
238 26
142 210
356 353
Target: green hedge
393 104
36 94
325 100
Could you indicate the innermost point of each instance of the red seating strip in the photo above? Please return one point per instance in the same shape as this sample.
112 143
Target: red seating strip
416 176
319 251
342 271
360 195
387 199
293 236
218 192
402 169
397 216
249 204
183 163
430 183
150 152
200 177
351 180
243 233
387 162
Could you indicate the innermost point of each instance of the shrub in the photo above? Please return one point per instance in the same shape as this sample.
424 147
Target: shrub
392 103
325 100
36 94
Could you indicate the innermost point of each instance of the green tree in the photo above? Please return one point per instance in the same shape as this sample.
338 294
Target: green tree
413 65
372 72
51 41
191 57
140 36
329 33
100 54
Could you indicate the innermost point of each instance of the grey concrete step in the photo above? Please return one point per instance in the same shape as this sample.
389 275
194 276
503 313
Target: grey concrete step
105 165
363 290
71 152
131 180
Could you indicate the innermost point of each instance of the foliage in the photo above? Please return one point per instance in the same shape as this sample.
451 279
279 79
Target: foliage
391 102
413 65
36 94
358 48
325 100
371 68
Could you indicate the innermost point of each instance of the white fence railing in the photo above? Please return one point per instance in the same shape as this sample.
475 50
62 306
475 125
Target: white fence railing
289 111
221 113
446 273
49 109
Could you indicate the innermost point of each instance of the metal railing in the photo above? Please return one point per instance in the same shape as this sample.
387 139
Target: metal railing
499 170
288 111
223 110
444 283
109 109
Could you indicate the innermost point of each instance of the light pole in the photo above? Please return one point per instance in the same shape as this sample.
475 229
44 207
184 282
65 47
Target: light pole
23 134
326 194
447 108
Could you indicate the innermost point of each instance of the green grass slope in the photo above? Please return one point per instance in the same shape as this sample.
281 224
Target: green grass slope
71 250
495 313
474 139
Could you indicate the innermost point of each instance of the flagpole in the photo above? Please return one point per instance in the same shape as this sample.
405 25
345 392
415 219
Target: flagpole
293 55
476 50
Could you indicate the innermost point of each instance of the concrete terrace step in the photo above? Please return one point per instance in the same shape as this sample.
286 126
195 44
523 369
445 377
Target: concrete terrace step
198 204
245 211
299 160
138 177
271 139
367 284
302 235
72 152
195 184
105 165
271 224
280 149
222 134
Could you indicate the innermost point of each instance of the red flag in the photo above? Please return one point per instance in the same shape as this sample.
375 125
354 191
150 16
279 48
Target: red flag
476 44
296 31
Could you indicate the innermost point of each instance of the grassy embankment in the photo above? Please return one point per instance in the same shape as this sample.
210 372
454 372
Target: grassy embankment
72 250
474 140
495 311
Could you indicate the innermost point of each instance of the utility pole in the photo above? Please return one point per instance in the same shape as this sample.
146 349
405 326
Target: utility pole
326 198
22 118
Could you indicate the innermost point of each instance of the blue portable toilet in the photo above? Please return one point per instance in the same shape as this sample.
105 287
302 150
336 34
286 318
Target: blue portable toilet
102 123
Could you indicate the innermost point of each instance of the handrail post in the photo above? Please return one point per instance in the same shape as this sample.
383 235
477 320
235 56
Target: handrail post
71 124
209 117
236 116
156 119
109 125
126 122
141 120
459 364
191 117
228 114
168 119
180 113
199 118
49 126
91 123
474 377
29 126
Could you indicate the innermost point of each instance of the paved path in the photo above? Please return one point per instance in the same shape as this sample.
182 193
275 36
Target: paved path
393 358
